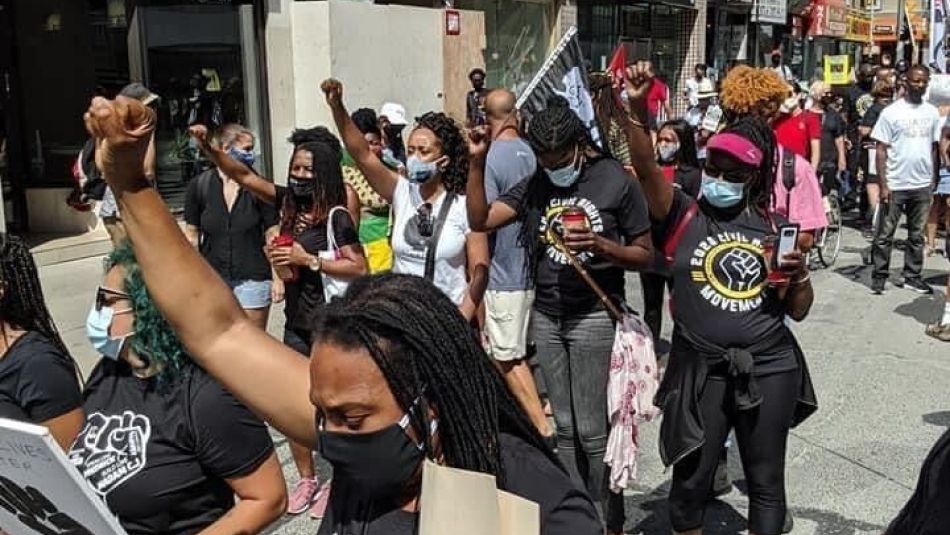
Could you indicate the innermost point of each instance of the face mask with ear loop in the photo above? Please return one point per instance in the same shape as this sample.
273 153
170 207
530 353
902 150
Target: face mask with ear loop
98 324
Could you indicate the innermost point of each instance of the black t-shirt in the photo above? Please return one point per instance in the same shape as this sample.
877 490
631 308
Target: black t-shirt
37 381
232 242
305 295
565 508
871 116
160 454
858 102
720 291
832 127
615 208
689 179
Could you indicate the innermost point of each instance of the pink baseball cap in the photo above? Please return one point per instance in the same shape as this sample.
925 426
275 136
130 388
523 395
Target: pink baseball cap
736 146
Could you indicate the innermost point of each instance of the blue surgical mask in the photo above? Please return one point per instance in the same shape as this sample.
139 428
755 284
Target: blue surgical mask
97 330
722 194
567 175
246 157
419 171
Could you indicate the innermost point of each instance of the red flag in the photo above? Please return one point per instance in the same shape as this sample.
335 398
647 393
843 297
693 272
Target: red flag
618 64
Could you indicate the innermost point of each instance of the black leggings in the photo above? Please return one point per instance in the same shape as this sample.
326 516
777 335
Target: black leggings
761 433
653 286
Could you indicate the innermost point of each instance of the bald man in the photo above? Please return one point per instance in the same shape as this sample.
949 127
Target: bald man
509 298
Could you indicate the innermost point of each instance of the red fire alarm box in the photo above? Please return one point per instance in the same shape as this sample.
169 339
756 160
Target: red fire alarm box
453 22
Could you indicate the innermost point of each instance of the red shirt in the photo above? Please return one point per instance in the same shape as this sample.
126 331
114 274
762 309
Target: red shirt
657 94
669 172
796 132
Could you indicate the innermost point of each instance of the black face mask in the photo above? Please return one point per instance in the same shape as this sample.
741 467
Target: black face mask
373 466
301 189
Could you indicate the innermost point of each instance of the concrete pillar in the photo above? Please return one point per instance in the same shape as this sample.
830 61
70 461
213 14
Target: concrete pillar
279 57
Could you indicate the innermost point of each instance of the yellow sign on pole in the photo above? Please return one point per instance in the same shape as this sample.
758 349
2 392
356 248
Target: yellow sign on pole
836 70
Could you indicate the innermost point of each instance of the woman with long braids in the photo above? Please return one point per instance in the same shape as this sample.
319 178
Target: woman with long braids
430 233
315 199
164 445
590 200
39 380
734 363
395 374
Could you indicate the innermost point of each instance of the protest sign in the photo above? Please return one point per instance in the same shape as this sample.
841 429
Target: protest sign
836 70
41 493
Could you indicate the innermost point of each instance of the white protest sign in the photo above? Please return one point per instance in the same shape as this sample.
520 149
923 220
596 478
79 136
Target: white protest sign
41 493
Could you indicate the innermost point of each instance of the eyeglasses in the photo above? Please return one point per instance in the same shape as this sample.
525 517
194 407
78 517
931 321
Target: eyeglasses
424 220
106 297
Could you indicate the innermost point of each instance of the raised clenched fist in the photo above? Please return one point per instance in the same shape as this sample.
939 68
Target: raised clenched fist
333 91
200 133
637 81
122 129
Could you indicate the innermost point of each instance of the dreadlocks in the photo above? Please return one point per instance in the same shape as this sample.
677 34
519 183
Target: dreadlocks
426 351
454 146
329 189
553 129
22 305
758 132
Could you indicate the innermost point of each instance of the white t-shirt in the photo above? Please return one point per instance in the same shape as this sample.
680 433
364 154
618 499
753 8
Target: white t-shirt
409 248
910 130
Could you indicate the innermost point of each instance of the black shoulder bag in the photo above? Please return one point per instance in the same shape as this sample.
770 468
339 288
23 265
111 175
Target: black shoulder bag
436 232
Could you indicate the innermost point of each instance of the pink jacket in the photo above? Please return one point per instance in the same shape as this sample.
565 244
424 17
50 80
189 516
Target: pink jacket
633 382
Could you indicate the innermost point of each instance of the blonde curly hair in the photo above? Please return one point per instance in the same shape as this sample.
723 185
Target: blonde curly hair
747 90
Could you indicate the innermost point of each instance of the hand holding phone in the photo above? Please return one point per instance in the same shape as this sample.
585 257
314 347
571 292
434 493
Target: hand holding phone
787 243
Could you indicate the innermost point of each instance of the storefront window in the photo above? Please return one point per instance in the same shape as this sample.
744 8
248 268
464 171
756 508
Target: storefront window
517 34
201 61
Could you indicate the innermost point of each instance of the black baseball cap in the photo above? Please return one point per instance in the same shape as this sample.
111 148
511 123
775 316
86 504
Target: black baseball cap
138 91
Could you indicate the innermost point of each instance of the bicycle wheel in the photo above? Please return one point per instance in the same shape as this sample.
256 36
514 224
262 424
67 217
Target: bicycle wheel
831 242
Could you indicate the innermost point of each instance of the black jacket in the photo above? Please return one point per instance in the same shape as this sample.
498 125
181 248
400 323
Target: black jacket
682 431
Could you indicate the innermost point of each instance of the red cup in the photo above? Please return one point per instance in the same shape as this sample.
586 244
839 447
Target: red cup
286 273
574 219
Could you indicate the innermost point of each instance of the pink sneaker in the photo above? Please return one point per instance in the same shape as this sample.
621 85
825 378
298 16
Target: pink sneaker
302 496
319 506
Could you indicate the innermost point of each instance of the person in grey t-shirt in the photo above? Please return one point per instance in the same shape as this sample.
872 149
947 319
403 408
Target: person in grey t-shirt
509 298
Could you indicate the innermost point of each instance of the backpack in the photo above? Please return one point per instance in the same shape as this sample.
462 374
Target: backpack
788 177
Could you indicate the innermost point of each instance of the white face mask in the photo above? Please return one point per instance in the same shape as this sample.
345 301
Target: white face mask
666 152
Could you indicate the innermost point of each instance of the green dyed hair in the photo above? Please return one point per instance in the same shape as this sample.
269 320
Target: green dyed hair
154 337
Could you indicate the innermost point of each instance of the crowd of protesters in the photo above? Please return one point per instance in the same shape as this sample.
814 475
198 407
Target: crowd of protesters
450 293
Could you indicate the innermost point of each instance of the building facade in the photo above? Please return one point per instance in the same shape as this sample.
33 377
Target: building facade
256 62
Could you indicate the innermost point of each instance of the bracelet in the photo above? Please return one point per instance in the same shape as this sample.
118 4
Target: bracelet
802 280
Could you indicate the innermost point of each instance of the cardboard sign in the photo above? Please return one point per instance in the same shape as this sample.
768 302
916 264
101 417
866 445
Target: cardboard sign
459 502
836 70
41 493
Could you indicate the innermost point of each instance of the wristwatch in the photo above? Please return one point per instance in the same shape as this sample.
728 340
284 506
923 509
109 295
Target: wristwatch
316 263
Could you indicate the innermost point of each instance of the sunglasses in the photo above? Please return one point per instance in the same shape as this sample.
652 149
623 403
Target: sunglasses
106 297
424 220
732 175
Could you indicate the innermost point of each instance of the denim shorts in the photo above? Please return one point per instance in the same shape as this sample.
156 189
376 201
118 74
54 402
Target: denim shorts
251 294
